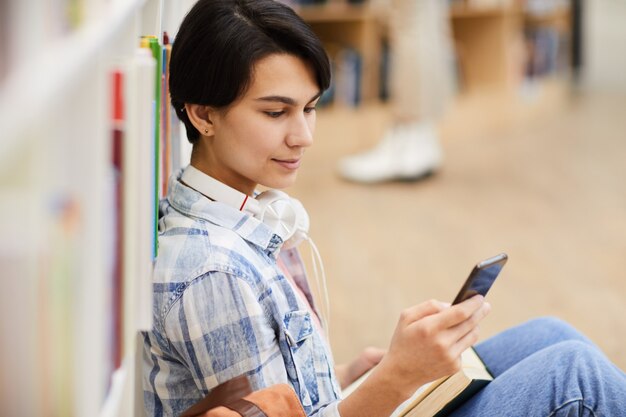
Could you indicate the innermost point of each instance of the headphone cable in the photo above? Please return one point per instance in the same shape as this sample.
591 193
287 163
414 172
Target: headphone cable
316 259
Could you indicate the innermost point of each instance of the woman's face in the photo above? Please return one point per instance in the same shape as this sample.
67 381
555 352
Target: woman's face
261 138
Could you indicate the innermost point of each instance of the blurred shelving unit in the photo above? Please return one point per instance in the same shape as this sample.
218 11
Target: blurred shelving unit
559 18
355 25
488 43
55 203
557 24
491 39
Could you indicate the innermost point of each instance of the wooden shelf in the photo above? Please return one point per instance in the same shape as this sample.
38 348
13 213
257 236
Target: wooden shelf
486 40
357 26
489 39
463 11
338 12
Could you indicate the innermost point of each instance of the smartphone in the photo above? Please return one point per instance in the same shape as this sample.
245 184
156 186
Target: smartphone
481 278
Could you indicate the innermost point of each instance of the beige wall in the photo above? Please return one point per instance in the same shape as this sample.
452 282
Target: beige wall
605 42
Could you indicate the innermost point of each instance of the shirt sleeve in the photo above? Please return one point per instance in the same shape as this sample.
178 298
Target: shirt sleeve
220 330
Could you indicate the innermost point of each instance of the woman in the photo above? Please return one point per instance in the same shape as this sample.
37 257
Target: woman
230 294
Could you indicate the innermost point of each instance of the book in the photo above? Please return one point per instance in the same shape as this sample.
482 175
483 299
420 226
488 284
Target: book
139 188
348 74
117 196
440 397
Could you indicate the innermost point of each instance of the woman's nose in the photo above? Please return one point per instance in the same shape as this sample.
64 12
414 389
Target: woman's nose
301 131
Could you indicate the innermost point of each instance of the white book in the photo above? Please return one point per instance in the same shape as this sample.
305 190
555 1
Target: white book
138 194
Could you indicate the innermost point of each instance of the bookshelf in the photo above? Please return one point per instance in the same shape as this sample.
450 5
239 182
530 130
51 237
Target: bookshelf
360 27
491 38
489 46
56 209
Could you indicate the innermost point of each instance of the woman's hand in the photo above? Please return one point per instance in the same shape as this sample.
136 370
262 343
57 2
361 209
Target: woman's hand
426 345
367 359
429 339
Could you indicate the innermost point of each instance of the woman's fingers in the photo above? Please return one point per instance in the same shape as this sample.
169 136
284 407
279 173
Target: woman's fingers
418 312
467 341
460 313
430 338
466 334
453 325
472 322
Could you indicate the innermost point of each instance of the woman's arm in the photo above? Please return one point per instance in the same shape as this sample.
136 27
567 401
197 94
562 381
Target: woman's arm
426 345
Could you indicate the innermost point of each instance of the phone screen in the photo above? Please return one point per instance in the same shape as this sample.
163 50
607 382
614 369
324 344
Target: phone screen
481 278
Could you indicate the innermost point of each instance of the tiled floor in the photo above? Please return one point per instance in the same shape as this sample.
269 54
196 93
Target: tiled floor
547 188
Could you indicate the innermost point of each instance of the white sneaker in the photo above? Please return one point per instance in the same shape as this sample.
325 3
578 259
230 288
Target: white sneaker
407 152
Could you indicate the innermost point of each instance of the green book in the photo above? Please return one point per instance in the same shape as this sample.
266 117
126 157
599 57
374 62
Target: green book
155 47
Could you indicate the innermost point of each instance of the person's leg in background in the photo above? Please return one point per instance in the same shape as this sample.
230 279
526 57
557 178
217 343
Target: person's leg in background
421 85
546 368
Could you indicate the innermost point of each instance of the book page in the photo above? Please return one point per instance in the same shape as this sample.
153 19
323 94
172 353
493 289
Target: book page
473 366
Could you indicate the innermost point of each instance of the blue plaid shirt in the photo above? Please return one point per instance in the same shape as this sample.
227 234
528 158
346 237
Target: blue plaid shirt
223 308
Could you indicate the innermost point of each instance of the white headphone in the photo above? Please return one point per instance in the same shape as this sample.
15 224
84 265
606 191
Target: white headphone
284 215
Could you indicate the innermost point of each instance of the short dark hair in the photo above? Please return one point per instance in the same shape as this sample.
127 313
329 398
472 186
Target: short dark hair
220 41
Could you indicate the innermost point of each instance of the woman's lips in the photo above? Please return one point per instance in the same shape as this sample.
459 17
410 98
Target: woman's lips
290 164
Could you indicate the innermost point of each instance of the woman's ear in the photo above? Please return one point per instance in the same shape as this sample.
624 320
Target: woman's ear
200 117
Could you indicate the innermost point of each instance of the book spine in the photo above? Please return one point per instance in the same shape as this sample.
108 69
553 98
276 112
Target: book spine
117 146
139 195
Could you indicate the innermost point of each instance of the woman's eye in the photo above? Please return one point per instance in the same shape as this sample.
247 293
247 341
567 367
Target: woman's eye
274 114
309 109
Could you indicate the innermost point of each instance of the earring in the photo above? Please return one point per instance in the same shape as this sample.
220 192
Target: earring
206 131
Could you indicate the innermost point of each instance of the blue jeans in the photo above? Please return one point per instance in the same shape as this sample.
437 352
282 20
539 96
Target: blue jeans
545 368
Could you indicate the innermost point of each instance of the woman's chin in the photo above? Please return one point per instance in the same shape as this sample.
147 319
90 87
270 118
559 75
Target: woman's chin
281 182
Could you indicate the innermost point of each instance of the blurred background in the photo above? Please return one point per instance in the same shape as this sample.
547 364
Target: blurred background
533 140
534 161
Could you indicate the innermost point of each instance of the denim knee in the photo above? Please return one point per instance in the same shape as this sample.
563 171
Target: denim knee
551 323
582 371
556 329
576 352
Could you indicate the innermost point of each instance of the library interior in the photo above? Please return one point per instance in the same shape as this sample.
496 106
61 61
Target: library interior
531 148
